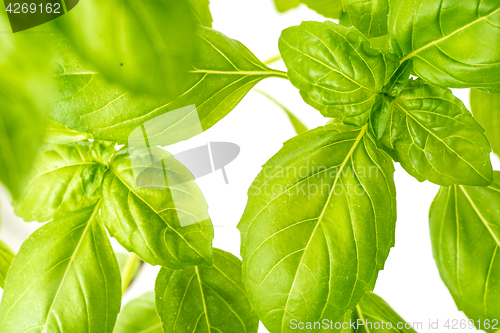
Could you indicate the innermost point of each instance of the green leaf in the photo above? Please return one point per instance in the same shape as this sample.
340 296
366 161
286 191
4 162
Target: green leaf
298 126
435 138
139 316
224 73
398 80
59 134
64 178
380 115
335 69
148 47
373 314
121 258
465 233
201 10
327 8
64 279
205 299
486 110
166 226
285 5
25 97
6 257
369 17
451 44
318 226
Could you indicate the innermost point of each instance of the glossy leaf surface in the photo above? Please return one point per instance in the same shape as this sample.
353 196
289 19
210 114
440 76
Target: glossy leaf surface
335 69
318 226
6 257
205 299
60 182
163 226
64 278
224 72
486 110
465 233
435 138
451 43
148 47
369 17
139 316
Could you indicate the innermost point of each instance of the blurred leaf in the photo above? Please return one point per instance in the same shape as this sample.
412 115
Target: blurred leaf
327 8
285 5
58 133
202 11
224 72
146 46
122 261
25 97
297 124
139 316
6 257
486 110
208 298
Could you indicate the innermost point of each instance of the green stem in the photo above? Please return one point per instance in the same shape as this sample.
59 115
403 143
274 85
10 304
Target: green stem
273 59
128 271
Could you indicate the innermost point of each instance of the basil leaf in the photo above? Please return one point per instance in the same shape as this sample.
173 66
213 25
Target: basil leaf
329 8
399 80
486 110
318 226
285 5
64 279
139 315
121 258
451 45
202 12
465 224
63 179
335 69
369 17
59 134
435 138
6 257
380 115
25 97
372 314
164 226
149 49
205 299
224 72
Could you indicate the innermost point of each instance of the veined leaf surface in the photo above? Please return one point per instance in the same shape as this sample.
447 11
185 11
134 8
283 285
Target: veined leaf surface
318 226
335 69
369 17
223 74
202 11
64 279
434 137
145 46
60 182
164 226
205 299
451 43
465 233
139 316
486 110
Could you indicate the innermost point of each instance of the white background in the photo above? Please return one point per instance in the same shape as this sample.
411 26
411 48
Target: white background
410 282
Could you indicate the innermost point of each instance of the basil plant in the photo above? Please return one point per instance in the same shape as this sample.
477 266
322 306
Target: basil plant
80 107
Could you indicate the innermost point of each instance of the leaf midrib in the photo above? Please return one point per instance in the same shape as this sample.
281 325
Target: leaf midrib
341 168
412 54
